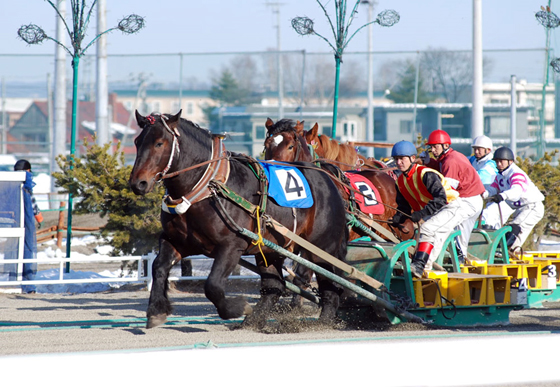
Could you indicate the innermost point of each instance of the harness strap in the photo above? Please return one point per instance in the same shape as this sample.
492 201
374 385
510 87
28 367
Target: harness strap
215 171
175 145
218 168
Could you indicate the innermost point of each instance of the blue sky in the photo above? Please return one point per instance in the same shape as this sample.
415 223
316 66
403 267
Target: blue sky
250 25
189 26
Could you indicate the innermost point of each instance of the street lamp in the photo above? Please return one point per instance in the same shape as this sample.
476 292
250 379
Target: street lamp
33 34
304 26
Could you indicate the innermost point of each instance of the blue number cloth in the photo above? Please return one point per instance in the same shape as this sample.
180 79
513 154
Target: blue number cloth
287 186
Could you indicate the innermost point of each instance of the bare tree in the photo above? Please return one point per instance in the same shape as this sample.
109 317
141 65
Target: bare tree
450 71
293 67
352 79
246 72
388 74
319 80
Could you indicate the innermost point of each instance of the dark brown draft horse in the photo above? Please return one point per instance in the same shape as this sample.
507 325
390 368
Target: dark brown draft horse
284 143
166 147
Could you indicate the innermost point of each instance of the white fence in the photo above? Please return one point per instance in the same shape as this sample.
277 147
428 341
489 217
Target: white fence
201 266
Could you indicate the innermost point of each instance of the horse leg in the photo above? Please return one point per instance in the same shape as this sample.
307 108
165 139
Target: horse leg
214 288
272 287
302 279
330 296
159 306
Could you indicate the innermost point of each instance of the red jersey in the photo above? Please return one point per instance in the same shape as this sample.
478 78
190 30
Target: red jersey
459 172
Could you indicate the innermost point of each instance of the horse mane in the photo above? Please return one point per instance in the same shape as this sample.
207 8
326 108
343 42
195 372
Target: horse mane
283 125
184 124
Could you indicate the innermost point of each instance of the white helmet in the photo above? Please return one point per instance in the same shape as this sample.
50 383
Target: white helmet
482 142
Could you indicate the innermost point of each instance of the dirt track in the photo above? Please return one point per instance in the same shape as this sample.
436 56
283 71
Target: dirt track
41 310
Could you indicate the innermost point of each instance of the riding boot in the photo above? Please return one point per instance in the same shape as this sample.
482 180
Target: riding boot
460 255
420 259
511 236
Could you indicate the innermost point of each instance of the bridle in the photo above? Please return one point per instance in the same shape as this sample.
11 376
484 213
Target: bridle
299 146
217 167
174 147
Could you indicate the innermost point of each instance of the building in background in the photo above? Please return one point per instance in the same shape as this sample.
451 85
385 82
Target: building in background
30 135
166 101
245 129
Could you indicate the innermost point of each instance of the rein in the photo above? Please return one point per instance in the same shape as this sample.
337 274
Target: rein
173 174
354 166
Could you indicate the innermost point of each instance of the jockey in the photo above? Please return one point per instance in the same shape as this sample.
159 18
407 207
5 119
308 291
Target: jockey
428 193
512 186
482 161
462 177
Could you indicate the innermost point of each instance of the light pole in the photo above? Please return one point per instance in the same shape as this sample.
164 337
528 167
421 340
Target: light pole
370 118
33 34
304 26
477 104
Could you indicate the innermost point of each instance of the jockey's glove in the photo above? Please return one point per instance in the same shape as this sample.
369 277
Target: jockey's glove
417 216
397 219
425 157
496 198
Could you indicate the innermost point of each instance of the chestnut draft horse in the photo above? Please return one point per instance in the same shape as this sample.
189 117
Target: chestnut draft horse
193 165
344 156
285 143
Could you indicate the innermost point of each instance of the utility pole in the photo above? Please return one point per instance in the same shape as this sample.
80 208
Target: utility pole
477 104
513 116
370 117
280 74
140 95
59 100
50 137
102 96
4 149
416 82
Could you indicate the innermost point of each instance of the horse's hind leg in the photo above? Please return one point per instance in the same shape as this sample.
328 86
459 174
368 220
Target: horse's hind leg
214 288
159 306
302 279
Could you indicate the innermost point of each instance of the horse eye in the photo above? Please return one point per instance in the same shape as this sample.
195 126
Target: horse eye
159 144
291 147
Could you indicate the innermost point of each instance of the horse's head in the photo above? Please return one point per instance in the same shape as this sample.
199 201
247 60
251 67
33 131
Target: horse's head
285 143
157 147
312 138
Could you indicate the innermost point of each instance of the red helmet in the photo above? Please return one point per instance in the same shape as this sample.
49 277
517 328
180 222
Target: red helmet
439 137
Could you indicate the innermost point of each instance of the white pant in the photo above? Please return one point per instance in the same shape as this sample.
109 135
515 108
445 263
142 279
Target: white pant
526 218
491 214
461 213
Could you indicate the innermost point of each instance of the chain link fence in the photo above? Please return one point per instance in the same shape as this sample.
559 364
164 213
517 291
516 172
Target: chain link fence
307 80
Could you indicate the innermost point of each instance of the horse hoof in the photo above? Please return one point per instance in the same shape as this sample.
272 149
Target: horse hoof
247 310
154 321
